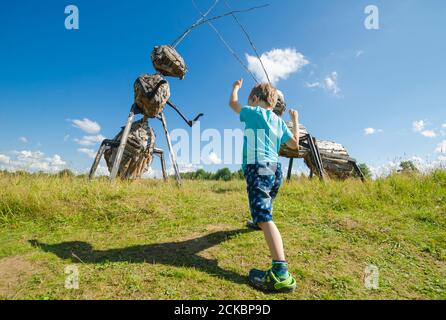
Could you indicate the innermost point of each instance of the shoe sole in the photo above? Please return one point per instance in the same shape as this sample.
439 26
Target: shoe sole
272 291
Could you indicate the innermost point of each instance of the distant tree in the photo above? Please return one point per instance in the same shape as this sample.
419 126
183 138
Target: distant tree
66 173
239 175
365 170
187 175
202 175
21 173
197 175
41 174
223 174
408 167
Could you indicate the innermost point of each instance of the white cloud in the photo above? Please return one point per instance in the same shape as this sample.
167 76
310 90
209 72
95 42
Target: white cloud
443 125
4 159
23 140
25 154
66 137
429 133
423 165
188 167
102 169
56 160
89 152
313 85
370 131
32 161
152 174
184 168
441 148
87 126
418 126
383 170
359 53
214 159
330 84
426 166
158 174
279 63
90 140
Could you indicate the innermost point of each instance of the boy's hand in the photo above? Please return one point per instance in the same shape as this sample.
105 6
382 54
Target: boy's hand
238 84
294 114
233 100
294 143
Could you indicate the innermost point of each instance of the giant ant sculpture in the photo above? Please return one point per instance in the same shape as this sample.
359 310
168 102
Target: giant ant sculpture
131 152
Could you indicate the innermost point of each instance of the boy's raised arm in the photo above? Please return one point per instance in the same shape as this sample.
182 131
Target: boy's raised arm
233 100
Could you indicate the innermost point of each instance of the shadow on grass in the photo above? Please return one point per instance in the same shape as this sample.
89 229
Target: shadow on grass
221 190
176 254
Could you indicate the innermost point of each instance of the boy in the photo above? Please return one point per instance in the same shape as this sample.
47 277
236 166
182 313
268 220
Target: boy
264 134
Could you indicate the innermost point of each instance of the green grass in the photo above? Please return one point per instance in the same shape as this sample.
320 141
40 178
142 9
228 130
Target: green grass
150 240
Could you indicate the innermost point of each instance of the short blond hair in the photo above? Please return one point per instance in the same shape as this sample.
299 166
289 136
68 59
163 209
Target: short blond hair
265 92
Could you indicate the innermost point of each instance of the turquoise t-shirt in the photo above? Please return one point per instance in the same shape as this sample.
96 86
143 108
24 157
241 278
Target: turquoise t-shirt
265 132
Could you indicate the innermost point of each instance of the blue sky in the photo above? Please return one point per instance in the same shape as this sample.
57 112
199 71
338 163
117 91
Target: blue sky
355 79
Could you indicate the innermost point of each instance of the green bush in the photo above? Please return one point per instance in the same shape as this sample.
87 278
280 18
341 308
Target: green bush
365 170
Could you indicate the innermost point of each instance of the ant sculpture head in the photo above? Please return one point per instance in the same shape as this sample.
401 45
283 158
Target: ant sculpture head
168 62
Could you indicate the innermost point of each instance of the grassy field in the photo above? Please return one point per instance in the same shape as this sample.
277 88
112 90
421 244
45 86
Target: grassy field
150 240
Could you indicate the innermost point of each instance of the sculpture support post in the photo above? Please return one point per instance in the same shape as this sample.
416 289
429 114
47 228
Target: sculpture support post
316 157
171 152
358 170
160 154
99 155
163 166
290 169
122 144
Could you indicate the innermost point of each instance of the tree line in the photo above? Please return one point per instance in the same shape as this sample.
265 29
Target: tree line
221 175
224 174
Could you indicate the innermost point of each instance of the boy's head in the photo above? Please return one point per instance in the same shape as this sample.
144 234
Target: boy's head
263 95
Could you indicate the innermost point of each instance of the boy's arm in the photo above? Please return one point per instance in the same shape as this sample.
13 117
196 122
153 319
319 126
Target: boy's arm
294 143
233 100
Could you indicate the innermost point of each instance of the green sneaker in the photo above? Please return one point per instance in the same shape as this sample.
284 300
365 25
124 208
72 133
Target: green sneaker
267 281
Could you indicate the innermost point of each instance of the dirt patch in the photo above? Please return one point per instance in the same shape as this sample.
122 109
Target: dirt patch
349 224
13 272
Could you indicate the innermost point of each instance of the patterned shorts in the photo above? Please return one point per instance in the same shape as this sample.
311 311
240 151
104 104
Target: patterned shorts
264 181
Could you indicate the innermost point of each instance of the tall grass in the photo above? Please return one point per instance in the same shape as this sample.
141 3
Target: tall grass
331 231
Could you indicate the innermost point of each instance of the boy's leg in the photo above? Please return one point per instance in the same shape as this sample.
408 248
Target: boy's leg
272 234
261 189
274 240
278 179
